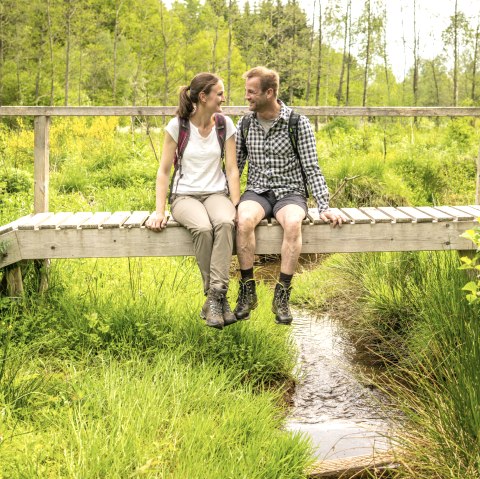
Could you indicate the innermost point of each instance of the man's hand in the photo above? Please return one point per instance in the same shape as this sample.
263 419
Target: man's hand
329 216
157 222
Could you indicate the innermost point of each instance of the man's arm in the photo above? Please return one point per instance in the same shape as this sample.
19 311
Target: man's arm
307 148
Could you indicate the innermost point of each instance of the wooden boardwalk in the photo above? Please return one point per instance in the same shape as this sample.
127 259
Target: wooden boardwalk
51 235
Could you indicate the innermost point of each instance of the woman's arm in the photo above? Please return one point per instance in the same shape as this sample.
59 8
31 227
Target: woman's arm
163 174
231 170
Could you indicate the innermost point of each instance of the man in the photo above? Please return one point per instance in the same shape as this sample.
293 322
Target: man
275 187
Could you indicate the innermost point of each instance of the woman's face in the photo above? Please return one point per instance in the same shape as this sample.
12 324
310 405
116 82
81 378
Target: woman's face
214 100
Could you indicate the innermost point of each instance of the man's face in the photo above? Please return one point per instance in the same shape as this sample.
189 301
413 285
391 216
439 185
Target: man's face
257 99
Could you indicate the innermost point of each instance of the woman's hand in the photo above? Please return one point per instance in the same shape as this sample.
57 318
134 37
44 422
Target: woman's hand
158 222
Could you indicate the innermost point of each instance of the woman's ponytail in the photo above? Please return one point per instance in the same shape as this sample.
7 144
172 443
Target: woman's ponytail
189 95
185 104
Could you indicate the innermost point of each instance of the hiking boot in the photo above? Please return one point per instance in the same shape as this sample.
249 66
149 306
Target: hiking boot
213 309
228 316
247 299
280 306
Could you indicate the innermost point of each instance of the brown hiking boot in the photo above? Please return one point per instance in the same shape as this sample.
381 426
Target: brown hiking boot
228 316
280 306
212 310
247 299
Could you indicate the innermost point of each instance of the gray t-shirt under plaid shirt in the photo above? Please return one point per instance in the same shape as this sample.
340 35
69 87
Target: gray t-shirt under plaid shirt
272 164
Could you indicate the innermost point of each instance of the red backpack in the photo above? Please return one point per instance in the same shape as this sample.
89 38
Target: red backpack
183 137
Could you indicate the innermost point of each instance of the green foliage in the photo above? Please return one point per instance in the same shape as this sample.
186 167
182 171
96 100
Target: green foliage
472 264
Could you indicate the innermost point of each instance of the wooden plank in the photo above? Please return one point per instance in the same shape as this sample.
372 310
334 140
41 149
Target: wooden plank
53 221
76 220
10 249
95 221
387 111
456 213
417 215
116 220
357 216
315 216
41 164
34 221
174 241
476 207
377 215
469 210
351 238
136 219
14 224
437 214
398 216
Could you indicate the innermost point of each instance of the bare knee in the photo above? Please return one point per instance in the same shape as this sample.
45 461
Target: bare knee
246 222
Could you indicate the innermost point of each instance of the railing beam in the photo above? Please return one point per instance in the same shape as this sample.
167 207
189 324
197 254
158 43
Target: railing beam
397 111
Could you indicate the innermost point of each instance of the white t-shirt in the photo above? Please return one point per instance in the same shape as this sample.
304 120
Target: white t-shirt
201 162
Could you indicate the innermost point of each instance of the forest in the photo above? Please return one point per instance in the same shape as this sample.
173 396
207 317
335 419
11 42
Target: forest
127 52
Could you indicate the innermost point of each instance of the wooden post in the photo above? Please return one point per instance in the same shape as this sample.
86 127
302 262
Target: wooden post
14 281
41 155
41 163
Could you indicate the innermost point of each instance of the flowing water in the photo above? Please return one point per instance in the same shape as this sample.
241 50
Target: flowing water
342 415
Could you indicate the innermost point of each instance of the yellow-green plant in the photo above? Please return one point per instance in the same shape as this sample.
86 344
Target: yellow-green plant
472 264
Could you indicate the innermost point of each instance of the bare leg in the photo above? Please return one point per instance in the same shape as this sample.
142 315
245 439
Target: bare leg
250 213
291 217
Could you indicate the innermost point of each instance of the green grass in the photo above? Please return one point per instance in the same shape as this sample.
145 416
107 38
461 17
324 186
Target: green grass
113 374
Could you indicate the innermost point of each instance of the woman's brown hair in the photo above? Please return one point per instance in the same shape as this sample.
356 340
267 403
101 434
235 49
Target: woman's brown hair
189 95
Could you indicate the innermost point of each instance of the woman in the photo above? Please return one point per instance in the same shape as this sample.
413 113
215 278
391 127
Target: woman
199 199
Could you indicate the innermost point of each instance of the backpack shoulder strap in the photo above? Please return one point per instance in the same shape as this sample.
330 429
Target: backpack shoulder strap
221 129
293 121
244 126
183 137
293 131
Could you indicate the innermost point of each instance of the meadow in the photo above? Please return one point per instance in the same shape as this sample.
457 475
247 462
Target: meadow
112 374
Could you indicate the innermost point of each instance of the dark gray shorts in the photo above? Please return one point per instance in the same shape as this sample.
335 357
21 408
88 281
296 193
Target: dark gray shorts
271 205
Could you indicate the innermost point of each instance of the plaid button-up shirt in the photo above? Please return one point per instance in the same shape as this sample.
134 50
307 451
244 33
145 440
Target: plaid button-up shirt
272 164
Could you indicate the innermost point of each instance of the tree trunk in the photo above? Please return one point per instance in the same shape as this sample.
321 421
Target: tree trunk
68 18
229 53
415 55
339 92
367 53
475 59
165 52
118 6
50 47
310 62
349 58
385 55
435 82
455 55
319 59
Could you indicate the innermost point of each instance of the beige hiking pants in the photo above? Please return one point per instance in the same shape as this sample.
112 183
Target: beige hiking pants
211 220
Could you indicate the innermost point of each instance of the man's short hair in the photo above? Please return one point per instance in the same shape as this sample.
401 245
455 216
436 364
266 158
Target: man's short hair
268 78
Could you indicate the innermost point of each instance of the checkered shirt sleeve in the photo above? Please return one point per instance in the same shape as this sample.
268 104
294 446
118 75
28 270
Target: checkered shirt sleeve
272 164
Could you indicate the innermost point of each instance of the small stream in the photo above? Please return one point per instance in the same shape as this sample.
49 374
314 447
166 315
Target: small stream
342 415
